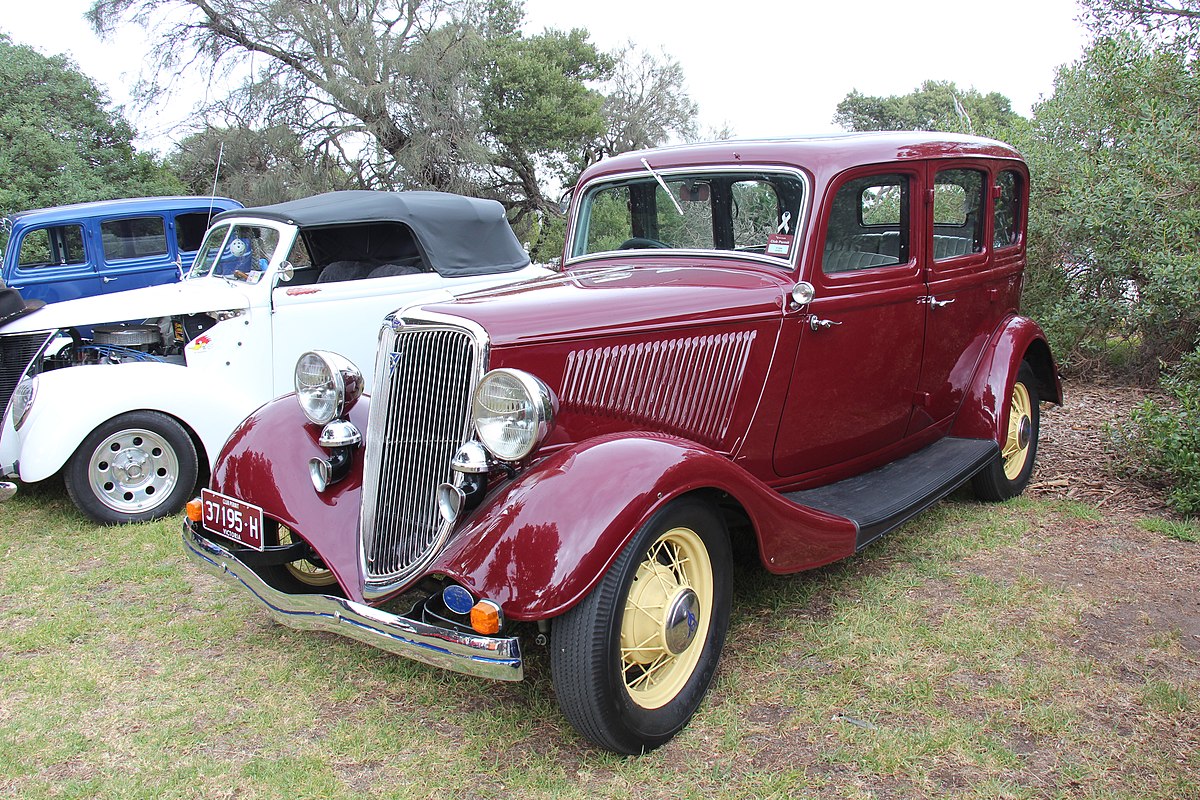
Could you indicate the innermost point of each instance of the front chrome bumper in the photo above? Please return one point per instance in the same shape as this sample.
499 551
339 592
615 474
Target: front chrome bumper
497 658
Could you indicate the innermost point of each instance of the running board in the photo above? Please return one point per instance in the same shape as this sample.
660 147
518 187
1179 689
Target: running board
884 499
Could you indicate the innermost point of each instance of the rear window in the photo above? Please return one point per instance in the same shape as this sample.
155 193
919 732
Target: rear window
133 237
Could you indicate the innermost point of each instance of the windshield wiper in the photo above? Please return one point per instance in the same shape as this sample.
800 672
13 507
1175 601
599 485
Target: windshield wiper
663 184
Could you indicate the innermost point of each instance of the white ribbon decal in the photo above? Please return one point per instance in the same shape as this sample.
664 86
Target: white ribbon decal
783 225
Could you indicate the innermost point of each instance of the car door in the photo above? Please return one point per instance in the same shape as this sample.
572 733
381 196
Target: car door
968 289
52 263
136 253
861 338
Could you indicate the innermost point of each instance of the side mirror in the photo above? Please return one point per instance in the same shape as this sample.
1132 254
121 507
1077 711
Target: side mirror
286 271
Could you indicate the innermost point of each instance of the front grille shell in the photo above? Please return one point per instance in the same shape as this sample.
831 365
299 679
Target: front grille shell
17 352
420 415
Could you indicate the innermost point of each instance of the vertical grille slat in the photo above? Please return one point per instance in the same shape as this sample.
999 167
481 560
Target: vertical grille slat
420 416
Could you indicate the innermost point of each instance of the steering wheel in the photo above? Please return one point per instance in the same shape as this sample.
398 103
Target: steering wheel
638 243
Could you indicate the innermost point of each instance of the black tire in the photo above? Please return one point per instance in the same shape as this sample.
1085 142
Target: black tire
1008 474
135 467
610 693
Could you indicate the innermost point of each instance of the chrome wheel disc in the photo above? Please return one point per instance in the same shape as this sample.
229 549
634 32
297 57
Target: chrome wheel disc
133 470
666 618
1020 432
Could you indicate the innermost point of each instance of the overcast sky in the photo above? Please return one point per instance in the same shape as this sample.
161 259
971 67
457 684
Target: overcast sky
762 67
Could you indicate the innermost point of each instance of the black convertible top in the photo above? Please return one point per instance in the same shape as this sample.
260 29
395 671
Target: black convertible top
457 235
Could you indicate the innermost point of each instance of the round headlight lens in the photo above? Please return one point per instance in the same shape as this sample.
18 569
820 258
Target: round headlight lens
327 385
22 400
513 412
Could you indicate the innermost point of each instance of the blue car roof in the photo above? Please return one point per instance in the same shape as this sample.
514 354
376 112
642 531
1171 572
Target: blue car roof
128 205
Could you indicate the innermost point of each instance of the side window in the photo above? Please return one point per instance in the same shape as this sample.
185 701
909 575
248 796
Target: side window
1007 215
189 230
869 224
59 246
958 213
133 238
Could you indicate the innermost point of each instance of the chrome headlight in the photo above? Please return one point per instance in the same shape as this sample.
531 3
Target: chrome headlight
22 400
327 385
513 412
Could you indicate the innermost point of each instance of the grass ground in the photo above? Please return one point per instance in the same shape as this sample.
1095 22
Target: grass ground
1033 649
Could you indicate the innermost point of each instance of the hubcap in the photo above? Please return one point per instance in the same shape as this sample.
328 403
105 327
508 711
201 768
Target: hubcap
667 610
133 471
1020 432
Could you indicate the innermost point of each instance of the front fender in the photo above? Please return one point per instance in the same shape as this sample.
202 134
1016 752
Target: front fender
542 542
985 407
71 403
265 462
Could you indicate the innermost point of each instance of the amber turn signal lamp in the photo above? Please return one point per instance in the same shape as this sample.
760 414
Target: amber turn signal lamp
195 511
485 617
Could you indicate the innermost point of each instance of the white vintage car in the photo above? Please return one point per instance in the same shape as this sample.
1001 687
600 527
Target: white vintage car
130 393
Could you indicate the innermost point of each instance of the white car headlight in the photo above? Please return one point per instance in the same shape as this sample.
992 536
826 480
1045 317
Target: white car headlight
513 412
22 400
327 385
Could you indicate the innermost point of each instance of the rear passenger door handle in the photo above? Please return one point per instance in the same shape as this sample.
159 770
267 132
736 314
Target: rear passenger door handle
106 279
818 324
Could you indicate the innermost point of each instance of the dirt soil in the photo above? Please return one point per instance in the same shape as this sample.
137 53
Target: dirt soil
1141 584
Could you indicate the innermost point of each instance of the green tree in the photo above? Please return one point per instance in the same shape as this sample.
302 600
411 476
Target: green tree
257 167
1115 219
448 95
62 141
934 106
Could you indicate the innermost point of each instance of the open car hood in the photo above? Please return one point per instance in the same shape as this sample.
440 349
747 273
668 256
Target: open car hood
185 297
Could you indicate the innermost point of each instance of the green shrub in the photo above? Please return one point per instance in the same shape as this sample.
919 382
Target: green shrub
1163 441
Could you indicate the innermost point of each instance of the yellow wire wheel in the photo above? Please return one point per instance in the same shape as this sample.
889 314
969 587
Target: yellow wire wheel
305 571
1020 431
633 660
666 618
1009 472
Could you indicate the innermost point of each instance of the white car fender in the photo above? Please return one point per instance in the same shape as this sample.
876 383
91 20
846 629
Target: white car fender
71 403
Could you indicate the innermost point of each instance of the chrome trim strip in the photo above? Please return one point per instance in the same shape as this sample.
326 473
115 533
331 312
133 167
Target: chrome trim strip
498 658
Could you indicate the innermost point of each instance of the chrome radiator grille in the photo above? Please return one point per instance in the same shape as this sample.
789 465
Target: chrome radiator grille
420 415
16 353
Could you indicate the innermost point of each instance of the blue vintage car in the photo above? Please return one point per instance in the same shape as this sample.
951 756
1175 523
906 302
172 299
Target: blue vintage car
87 249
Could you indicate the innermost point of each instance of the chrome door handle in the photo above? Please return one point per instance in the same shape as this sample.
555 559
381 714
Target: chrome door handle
107 279
934 302
818 324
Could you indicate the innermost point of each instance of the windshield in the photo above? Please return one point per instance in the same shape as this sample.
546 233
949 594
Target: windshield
747 212
241 252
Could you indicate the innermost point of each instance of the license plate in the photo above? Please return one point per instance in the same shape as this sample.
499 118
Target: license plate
232 518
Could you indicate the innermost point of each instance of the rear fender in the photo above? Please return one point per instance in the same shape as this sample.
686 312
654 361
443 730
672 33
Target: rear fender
986 404
539 544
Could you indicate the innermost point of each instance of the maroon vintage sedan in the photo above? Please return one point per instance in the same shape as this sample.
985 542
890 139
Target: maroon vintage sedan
791 346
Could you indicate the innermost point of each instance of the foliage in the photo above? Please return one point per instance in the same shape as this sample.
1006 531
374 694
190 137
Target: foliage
1163 441
62 142
406 94
1172 21
257 167
934 106
1115 216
